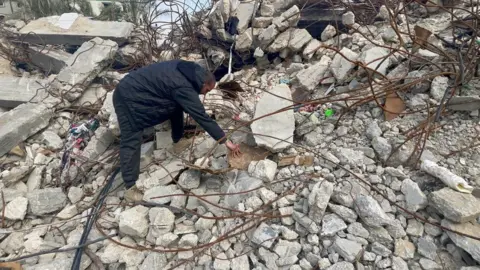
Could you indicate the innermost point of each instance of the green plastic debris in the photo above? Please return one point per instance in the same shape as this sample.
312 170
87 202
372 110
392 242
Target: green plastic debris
329 112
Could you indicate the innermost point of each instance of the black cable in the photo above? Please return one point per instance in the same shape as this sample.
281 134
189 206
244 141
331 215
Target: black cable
91 220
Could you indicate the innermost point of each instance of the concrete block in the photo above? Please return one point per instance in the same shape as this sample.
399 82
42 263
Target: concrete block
99 143
22 122
47 59
47 31
18 90
84 66
94 95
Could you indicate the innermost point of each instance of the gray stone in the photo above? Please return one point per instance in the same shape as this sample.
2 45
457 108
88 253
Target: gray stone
470 245
22 122
261 22
134 221
427 247
52 140
97 145
15 174
46 201
343 63
377 55
414 197
373 130
154 260
464 103
287 248
270 126
382 147
415 228
266 9
370 211
162 221
305 222
84 66
345 213
93 96
349 250
456 206
263 169
318 200
190 179
265 235
438 87
380 249
241 263
309 78
332 224
429 265
59 264
341 266
245 11
357 229
45 31
399 264
281 41
16 209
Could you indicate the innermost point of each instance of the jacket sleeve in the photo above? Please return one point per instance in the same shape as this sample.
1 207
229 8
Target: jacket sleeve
176 121
191 104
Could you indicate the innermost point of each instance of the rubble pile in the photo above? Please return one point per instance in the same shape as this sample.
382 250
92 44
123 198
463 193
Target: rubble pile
324 184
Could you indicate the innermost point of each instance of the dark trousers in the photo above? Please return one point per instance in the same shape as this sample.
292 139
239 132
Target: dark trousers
130 142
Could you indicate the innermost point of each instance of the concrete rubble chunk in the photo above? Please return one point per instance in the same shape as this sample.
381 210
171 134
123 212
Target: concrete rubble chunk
328 33
349 250
374 59
348 18
19 90
244 41
262 22
52 140
134 221
404 249
265 235
267 36
48 59
93 96
464 103
311 48
300 37
22 122
16 209
190 179
438 87
331 224
341 266
281 41
342 63
160 191
84 66
305 222
309 78
263 169
414 196
245 12
456 206
470 245
97 145
46 201
382 148
289 18
370 211
15 174
47 30
318 200
269 126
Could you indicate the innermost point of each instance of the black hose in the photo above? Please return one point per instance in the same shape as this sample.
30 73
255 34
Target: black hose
91 220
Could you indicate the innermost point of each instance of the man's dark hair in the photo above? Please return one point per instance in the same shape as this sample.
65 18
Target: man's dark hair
210 78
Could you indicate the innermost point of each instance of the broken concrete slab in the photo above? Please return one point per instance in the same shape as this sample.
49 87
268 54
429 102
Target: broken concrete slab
84 66
375 60
274 132
99 143
22 122
309 78
470 245
343 63
18 90
46 30
48 59
464 103
456 206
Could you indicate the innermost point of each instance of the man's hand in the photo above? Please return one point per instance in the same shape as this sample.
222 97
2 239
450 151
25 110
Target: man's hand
235 148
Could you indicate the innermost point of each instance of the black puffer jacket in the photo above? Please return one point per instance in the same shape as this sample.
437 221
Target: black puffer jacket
162 91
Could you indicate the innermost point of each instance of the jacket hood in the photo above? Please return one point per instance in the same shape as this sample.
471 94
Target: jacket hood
193 72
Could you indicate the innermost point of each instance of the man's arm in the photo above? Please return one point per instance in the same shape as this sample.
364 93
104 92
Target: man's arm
191 104
176 121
